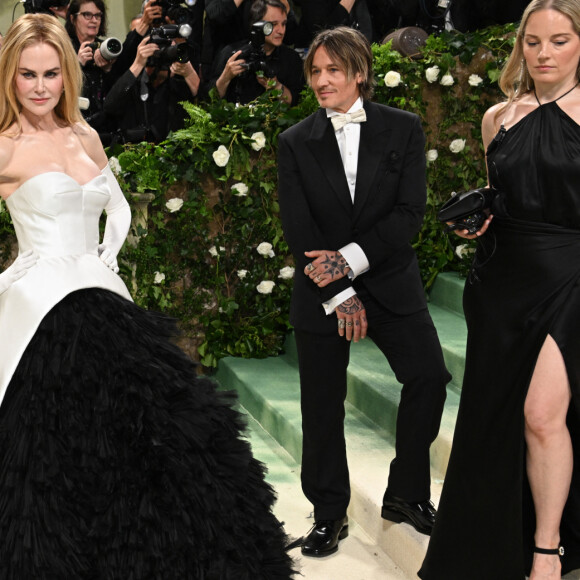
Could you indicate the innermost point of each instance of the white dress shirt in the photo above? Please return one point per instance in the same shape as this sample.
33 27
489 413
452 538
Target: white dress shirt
348 139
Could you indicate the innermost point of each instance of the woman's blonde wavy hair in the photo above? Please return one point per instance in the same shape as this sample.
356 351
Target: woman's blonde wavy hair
26 31
515 79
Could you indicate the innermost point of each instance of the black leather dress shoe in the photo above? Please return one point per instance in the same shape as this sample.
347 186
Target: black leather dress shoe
421 515
322 539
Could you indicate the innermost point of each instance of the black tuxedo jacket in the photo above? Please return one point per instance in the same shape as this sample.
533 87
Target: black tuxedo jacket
318 214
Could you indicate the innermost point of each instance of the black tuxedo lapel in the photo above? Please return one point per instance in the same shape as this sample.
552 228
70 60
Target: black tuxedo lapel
324 147
370 155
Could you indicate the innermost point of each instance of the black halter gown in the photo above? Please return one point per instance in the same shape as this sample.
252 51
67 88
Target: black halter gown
525 285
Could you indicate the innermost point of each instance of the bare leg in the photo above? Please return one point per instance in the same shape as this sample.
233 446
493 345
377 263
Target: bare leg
549 456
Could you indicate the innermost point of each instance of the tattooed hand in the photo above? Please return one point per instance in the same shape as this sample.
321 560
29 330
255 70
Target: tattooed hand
352 319
326 267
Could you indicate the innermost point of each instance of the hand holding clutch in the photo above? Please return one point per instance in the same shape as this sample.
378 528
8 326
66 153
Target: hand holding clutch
467 210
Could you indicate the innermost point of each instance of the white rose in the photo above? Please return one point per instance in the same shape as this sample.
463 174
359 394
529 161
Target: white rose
447 80
474 80
221 156
258 141
286 273
174 204
265 249
392 79
159 277
115 166
213 251
240 189
432 73
463 250
457 145
432 155
265 287
242 274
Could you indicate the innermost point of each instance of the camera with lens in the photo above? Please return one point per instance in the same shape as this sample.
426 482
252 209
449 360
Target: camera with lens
111 47
432 15
253 53
42 6
175 10
168 52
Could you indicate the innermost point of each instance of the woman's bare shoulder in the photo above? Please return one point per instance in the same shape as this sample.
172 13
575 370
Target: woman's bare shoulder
91 143
490 123
6 153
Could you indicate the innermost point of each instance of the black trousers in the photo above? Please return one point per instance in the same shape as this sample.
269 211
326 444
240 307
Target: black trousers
411 346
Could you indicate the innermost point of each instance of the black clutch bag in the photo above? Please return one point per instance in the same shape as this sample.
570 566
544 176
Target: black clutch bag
467 210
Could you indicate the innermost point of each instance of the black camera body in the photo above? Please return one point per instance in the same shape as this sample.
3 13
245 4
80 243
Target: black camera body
111 47
175 10
42 6
253 53
168 52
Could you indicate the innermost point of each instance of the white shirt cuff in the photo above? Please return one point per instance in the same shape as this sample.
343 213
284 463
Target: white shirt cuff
338 299
356 259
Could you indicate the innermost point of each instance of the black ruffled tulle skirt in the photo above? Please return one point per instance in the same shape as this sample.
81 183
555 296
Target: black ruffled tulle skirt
118 462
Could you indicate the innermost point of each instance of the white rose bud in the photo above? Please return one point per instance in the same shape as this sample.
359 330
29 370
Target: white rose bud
432 155
115 166
447 80
240 189
265 287
432 73
286 273
463 250
457 145
258 141
221 156
474 80
213 251
242 274
159 277
174 204
265 249
392 79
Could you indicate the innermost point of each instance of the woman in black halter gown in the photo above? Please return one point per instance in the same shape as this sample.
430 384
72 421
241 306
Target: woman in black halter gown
511 496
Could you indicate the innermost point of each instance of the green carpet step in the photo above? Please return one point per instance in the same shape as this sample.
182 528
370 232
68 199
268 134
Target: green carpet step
447 292
269 389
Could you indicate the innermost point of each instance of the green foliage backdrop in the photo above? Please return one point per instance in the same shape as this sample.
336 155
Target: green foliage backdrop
211 250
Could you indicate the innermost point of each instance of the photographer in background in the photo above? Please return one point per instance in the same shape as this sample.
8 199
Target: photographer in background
226 22
144 103
85 22
53 7
190 12
246 69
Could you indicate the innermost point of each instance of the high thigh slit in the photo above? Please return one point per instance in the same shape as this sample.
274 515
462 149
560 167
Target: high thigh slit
524 286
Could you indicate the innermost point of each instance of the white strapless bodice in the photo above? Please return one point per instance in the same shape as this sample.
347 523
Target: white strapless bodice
58 219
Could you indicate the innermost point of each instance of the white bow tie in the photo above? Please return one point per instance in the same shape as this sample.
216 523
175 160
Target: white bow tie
339 121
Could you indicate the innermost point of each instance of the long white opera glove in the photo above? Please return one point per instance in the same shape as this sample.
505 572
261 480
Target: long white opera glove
117 224
18 268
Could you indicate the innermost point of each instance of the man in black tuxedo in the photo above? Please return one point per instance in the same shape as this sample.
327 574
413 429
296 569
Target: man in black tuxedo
351 200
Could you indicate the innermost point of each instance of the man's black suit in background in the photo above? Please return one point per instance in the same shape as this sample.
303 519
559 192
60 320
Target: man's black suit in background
318 213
